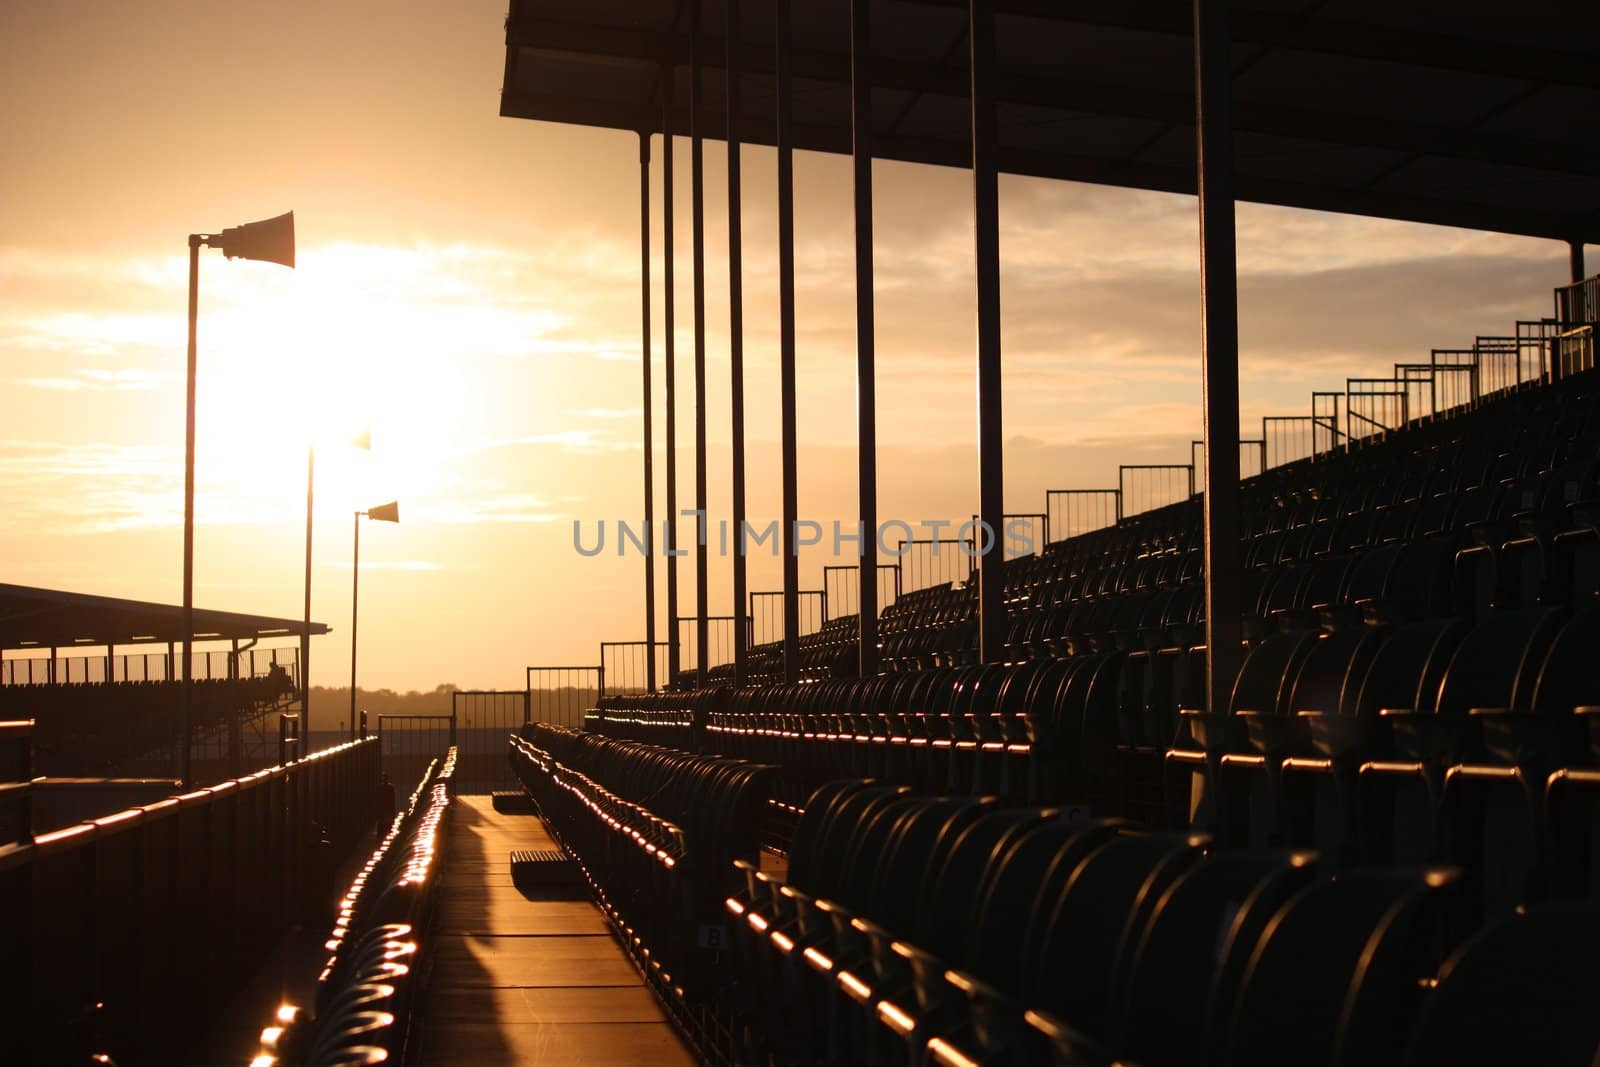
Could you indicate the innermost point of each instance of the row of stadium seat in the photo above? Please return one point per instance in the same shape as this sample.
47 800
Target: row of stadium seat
1504 498
368 984
914 929
1367 742
655 832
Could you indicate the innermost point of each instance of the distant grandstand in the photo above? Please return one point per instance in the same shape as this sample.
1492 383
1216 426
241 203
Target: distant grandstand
100 677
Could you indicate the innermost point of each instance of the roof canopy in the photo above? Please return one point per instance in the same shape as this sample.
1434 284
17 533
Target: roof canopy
1391 108
46 618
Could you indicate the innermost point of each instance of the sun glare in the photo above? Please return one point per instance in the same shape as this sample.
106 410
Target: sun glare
355 338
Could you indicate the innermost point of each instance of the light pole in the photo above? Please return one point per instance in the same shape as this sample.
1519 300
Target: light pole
270 240
389 512
361 440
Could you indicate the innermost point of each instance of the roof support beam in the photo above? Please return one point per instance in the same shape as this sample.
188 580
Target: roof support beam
697 197
786 352
741 585
1219 333
986 229
649 420
670 527
866 336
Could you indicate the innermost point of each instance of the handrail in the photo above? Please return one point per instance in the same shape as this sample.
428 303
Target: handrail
128 928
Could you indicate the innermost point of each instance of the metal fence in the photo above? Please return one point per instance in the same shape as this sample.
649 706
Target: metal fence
1079 511
481 720
627 666
561 695
841 588
719 641
935 561
151 920
1147 486
409 743
766 615
1374 406
1020 533
42 669
1252 459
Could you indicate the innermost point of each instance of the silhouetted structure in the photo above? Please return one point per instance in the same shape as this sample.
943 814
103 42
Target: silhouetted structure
105 694
1290 769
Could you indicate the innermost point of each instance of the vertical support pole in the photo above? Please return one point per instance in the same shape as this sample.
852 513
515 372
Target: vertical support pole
1219 345
185 692
305 620
698 258
866 337
1575 261
741 584
235 728
670 529
786 352
649 394
355 603
986 212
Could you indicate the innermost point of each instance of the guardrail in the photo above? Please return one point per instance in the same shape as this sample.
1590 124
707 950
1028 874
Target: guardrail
367 989
128 933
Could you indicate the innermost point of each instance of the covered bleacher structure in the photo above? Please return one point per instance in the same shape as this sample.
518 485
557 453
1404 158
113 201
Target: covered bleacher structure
1286 751
101 677
1298 766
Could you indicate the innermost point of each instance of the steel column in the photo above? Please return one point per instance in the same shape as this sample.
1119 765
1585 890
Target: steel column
698 212
649 425
671 525
185 691
986 219
1575 260
305 620
741 635
355 603
786 360
1219 309
866 336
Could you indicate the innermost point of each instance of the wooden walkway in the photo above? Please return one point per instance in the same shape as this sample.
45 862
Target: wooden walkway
529 981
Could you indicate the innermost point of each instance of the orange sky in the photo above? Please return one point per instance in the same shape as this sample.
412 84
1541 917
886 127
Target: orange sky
469 284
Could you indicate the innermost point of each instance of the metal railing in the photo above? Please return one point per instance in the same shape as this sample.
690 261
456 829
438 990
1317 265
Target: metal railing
480 721
1252 459
125 936
562 694
1079 511
1147 486
927 562
626 666
43 669
766 617
841 588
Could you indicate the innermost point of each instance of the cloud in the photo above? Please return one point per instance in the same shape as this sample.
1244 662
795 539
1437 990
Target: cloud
127 379
394 565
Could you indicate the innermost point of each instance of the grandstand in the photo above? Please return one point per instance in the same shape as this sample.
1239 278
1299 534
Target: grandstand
1281 751
1286 750
100 675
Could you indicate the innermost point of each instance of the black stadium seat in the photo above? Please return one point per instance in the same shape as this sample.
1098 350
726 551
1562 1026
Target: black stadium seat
1067 858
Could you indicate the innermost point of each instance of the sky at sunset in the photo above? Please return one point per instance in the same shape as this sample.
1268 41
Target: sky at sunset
469 286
